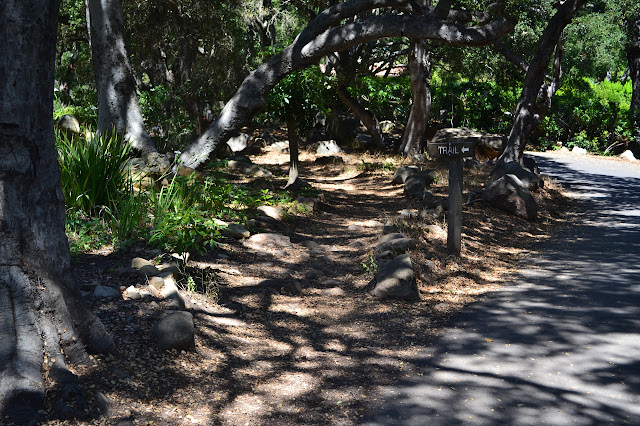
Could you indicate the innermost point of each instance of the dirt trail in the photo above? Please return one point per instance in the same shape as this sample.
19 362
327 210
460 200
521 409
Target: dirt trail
275 355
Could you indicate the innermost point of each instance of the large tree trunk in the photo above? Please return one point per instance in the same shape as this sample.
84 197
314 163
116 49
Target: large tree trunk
42 315
633 56
368 119
414 136
527 117
323 36
118 106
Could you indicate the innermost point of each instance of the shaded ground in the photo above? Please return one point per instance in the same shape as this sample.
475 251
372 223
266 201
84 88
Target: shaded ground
560 345
320 357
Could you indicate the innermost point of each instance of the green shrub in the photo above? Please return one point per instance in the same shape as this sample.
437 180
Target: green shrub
93 171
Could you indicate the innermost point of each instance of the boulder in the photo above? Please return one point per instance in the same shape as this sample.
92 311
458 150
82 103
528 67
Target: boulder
238 143
271 211
268 240
628 155
343 128
393 242
403 172
395 280
530 164
530 180
416 183
328 148
237 231
69 124
175 331
510 194
579 151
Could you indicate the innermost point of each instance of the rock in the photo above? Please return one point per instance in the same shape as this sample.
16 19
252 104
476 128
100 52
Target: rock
395 280
132 293
328 148
329 159
148 271
70 124
386 126
431 213
435 229
271 211
238 143
472 163
310 205
237 231
262 183
157 163
175 331
240 157
628 155
579 151
106 292
334 291
248 169
139 262
268 240
170 292
282 286
393 242
402 173
416 183
299 185
530 180
156 282
510 194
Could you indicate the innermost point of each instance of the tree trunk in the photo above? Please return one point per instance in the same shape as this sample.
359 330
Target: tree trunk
320 38
414 137
526 116
118 106
633 56
368 119
41 311
294 143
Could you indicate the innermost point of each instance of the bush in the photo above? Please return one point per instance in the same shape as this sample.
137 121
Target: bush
93 171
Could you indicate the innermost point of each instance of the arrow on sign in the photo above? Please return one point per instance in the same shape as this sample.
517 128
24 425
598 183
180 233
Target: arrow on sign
465 149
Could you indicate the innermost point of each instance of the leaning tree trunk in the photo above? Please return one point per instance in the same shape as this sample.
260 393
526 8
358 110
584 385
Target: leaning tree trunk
526 116
118 105
43 322
633 57
323 36
414 136
368 119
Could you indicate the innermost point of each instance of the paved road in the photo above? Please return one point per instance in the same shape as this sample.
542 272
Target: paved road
561 345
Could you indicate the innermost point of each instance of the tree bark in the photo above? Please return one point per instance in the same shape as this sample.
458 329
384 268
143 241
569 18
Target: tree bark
42 315
526 116
633 57
321 38
414 136
294 143
118 106
368 119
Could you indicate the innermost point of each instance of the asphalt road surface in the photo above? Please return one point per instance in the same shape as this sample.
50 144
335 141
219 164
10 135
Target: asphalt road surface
559 346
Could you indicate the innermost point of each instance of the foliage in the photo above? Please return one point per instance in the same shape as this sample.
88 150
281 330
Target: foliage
299 96
93 170
589 115
87 233
386 97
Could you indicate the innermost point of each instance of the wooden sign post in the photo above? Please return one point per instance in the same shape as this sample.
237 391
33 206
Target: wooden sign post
456 150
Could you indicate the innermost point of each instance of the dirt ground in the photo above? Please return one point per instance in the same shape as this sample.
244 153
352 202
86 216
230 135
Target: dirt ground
319 357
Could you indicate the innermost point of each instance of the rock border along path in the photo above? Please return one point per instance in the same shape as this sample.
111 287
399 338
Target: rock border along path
559 346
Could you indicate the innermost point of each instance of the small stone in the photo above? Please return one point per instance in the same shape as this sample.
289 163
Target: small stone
175 331
271 211
132 293
148 271
139 262
237 231
106 292
579 151
628 155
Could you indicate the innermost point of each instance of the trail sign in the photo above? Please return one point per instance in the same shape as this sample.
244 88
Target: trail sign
454 149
